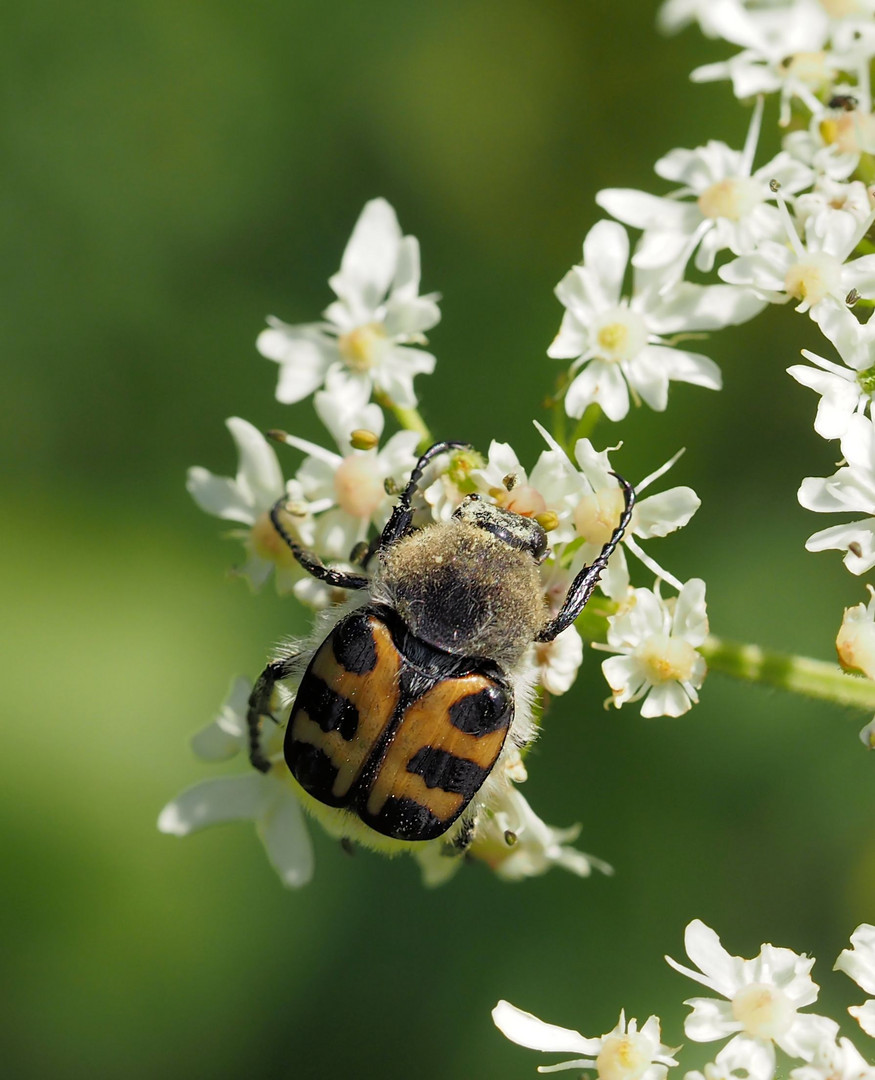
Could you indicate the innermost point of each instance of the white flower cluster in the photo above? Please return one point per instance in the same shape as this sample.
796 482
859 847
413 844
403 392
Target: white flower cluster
758 1008
795 228
359 364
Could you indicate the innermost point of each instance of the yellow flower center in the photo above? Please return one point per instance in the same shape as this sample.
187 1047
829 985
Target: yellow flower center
765 1012
850 132
359 486
620 334
731 198
362 347
597 515
838 9
666 659
624 1057
819 275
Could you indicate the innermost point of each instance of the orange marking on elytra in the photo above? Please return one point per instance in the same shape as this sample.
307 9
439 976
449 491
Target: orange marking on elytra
374 694
426 723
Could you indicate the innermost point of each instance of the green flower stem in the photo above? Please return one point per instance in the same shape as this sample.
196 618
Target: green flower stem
409 419
799 674
585 427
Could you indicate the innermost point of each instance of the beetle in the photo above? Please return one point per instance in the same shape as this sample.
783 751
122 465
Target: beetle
408 703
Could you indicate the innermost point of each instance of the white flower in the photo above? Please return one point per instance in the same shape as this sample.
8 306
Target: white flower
266 799
763 995
348 489
859 963
444 486
511 840
622 1054
783 49
247 498
368 337
836 138
559 660
618 344
515 843
729 207
741 1059
818 271
844 390
850 490
674 15
835 1061
592 502
544 491
817 210
657 641
855 643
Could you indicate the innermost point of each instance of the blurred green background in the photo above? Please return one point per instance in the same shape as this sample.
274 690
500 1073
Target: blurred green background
173 172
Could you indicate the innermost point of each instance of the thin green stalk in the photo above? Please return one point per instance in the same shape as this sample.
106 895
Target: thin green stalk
409 419
798 674
585 427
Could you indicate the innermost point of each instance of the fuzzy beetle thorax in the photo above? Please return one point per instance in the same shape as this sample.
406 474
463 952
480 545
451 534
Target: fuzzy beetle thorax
464 590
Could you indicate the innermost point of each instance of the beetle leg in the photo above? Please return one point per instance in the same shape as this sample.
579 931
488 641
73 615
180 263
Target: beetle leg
339 579
398 524
260 701
584 584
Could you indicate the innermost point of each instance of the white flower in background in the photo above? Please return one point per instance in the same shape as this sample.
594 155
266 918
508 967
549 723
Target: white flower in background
814 272
593 502
516 844
763 996
656 640
835 1061
859 963
247 498
722 203
367 339
618 345
783 50
268 800
844 390
836 136
674 15
855 643
850 490
348 489
622 1054
833 206
741 1059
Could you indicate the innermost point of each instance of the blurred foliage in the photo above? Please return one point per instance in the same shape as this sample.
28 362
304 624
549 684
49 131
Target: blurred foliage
172 173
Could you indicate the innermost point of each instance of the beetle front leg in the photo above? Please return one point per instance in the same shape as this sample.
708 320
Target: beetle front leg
260 701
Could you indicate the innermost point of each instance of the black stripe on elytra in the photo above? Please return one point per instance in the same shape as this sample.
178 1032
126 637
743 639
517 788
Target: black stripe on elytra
353 643
325 707
440 769
481 713
314 770
406 819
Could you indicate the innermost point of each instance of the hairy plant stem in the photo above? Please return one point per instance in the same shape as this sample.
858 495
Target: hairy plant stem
798 674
